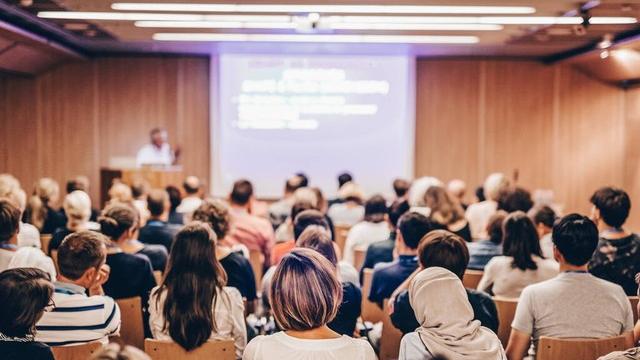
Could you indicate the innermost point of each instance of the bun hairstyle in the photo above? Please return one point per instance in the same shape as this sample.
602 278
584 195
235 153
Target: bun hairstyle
116 219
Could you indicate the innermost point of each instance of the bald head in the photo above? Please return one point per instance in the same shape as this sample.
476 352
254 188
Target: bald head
191 185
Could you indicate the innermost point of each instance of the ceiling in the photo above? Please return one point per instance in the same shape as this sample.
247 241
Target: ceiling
546 42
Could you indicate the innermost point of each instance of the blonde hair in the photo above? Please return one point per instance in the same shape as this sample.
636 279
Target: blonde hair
307 195
8 184
445 209
305 292
45 191
419 188
494 184
350 191
77 207
120 193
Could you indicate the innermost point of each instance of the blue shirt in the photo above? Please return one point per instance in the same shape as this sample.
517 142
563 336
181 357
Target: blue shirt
481 252
379 252
388 276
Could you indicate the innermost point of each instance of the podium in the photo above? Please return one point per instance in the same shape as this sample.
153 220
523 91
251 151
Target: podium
156 177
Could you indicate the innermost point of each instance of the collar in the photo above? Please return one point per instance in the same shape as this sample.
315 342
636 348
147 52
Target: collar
68 288
407 260
26 338
156 222
10 247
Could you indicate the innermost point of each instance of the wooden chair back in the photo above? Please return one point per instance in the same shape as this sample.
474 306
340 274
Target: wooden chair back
391 336
341 232
370 310
358 258
157 274
168 350
256 258
45 239
506 311
634 307
76 352
577 349
131 326
471 278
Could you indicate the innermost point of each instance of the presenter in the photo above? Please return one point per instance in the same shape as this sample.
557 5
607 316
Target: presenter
158 152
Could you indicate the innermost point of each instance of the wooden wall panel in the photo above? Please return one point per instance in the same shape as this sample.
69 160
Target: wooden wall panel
632 153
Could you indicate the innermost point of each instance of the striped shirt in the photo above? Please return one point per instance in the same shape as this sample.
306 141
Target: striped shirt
78 318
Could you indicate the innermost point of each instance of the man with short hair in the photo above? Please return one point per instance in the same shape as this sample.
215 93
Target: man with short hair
280 210
544 218
9 228
574 304
617 257
157 230
193 199
343 178
158 151
76 317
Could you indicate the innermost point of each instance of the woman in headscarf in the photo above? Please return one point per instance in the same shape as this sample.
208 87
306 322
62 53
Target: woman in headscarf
446 321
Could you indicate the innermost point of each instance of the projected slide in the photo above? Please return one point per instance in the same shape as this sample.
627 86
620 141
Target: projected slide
278 115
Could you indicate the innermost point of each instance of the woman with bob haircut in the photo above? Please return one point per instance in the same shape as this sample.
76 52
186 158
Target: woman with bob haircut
305 295
192 304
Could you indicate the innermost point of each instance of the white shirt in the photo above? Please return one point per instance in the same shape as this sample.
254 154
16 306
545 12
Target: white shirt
5 258
284 347
546 244
29 236
228 312
508 282
478 216
188 205
362 235
151 155
343 214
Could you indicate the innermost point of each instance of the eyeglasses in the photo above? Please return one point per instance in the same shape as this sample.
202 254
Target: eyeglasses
50 306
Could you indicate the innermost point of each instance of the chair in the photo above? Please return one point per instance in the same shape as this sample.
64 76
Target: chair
471 278
341 232
358 258
634 307
158 276
168 350
506 311
390 339
370 310
76 352
257 264
45 239
131 326
577 349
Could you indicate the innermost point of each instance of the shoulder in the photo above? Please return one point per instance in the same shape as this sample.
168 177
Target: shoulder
364 346
383 267
499 262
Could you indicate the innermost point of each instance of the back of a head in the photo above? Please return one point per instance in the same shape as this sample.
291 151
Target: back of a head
292 184
300 206
24 295
216 214
414 226
520 240
120 193
351 192
304 179
305 292
77 208
9 220
493 185
116 219
46 189
45 192
441 248
306 219
545 216
241 193
158 202
306 194
457 188
139 188
494 226
191 185
319 239
613 204
375 209
396 210
78 183
419 188
511 199
175 198
344 178
576 238
8 184
445 209
81 251
401 187
115 351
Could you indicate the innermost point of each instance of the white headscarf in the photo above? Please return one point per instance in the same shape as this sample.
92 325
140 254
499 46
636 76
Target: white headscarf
34 258
447 328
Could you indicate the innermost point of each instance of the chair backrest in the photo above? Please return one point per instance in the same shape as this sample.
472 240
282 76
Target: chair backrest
158 276
341 232
45 239
131 326
390 339
577 349
370 310
257 264
358 258
634 307
471 278
506 311
211 350
76 352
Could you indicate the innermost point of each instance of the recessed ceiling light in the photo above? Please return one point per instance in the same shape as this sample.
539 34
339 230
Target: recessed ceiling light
410 39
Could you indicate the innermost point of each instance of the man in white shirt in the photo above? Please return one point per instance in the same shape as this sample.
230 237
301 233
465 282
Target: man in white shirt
478 214
193 189
158 152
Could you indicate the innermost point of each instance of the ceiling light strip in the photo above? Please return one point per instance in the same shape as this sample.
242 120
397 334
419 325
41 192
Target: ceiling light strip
383 39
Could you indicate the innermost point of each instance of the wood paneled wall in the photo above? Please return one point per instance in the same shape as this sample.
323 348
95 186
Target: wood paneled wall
559 128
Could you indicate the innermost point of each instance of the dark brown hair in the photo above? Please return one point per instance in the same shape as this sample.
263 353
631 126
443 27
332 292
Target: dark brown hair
81 251
216 214
520 240
157 199
319 239
444 249
24 294
9 220
116 219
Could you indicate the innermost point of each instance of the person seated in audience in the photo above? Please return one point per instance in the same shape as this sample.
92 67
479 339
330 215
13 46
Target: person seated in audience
382 251
284 232
192 304
34 258
82 312
445 250
544 218
349 211
9 227
280 210
401 189
481 252
322 205
119 223
447 326
574 304
343 178
458 188
139 191
157 230
175 198
446 210
25 294
41 208
77 208
284 247
247 229
478 214
120 193
81 183
617 257
522 263
115 351
304 182
305 295
387 277
238 268
28 235
514 198
193 199
418 190
372 229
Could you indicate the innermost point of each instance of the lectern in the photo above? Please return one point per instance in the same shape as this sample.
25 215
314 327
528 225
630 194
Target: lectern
156 177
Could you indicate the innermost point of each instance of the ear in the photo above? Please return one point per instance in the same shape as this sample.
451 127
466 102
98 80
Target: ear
595 213
88 277
557 256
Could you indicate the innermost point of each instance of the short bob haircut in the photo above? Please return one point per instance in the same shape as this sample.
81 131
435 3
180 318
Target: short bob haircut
305 292
24 295
441 248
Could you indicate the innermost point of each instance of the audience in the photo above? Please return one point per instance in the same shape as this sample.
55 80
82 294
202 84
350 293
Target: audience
28 235
305 295
175 198
522 263
41 208
446 210
401 189
512 199
193 196
544 218
478 214
82 313
284 232
280 210
444 250
82 183
192 304
372 229
458 189
284 247
158 230
617 257
9 227
120 193
77 208
25 294
417 192
574 304
247 229
348 211
447 327
33 257
139 191
481 252
343 178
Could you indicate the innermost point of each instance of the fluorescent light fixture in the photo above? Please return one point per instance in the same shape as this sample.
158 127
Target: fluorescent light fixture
384 39
311 8
216 25
416 27
600 20
123 16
